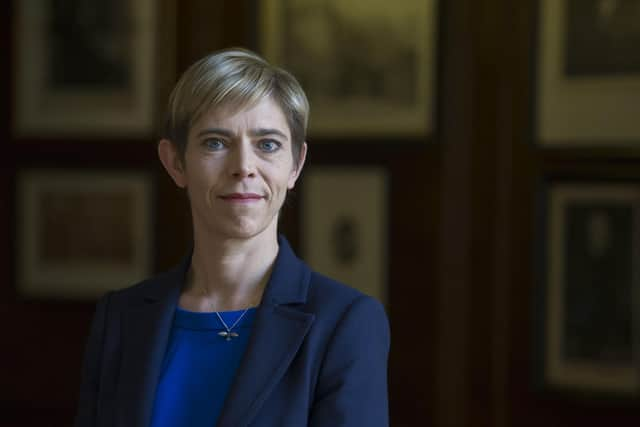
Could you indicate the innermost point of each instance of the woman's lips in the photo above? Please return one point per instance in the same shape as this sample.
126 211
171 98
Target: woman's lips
241 197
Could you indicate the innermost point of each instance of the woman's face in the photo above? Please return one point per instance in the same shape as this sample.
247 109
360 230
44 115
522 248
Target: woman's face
237 170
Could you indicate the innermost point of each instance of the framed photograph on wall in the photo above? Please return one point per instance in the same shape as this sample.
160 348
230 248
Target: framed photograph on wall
82 233
588 73
367 66
85 67
589 330
344 225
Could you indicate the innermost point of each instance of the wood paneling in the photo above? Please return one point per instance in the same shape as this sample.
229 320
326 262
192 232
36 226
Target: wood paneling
461 230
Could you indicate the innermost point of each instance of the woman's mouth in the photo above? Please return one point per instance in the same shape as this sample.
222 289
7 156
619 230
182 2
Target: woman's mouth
241 197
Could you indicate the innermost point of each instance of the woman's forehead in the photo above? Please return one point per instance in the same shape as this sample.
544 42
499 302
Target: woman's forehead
263 113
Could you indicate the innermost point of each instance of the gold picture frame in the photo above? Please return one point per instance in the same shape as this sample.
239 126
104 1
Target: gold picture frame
589 331
368 66
82 233
344 236
588 73
85 68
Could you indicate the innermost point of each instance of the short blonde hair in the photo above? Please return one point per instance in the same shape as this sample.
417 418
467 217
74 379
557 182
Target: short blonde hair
234 78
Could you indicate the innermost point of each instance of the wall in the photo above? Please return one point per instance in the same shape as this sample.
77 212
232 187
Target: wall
462 221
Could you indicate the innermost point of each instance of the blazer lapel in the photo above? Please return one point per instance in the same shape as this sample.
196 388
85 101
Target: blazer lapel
279 330
146 329
278 335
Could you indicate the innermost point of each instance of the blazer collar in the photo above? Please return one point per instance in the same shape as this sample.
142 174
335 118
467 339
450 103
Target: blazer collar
278 333
288 284
289 281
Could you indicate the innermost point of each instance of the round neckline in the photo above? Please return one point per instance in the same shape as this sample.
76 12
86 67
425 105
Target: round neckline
209 320
178 308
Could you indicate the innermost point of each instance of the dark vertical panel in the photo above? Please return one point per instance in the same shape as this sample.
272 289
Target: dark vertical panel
413 281
505 123
200 29
457 85
487 54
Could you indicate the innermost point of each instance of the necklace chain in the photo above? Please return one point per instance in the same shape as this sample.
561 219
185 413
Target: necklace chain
227 334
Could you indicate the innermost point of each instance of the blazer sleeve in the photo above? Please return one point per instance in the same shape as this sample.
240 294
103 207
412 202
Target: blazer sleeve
352 383
90 384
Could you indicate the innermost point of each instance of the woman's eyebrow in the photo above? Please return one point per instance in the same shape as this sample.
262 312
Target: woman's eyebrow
254 132
267 131
215 131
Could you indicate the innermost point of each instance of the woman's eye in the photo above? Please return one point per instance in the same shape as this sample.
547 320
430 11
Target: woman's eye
214 144
269 145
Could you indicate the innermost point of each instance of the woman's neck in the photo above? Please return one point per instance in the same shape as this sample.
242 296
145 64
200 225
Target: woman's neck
228 274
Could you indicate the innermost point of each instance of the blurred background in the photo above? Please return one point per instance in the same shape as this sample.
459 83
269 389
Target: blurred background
485 153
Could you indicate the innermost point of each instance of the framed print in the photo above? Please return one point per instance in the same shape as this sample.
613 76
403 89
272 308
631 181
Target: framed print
85 67
591 296
344 226
588 73
367 67
81 234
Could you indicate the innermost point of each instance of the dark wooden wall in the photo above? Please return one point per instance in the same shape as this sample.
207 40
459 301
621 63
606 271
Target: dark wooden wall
462 207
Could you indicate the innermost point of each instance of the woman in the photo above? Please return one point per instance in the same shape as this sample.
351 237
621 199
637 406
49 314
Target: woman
242 332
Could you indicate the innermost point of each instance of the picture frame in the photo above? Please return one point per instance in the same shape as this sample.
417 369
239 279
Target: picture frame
343 236
82 233
368 69
588 329
588 74
85 68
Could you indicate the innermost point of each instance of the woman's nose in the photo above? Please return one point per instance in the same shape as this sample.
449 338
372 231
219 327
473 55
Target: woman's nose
243 162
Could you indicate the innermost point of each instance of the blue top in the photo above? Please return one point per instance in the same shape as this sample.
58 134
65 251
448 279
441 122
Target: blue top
198 368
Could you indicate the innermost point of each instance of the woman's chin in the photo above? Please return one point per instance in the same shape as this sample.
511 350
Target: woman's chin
242 230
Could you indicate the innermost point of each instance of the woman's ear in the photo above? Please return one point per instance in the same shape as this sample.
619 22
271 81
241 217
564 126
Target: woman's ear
172 162
295 173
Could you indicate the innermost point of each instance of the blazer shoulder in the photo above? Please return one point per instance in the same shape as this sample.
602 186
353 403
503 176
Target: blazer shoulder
322 286
327 292
151 288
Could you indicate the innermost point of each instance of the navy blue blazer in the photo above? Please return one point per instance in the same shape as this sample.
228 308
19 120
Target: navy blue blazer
317 355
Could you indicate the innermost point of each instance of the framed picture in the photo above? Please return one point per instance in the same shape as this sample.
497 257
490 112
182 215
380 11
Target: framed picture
367 68
85 67
81 234
588 73
344 226
590 298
